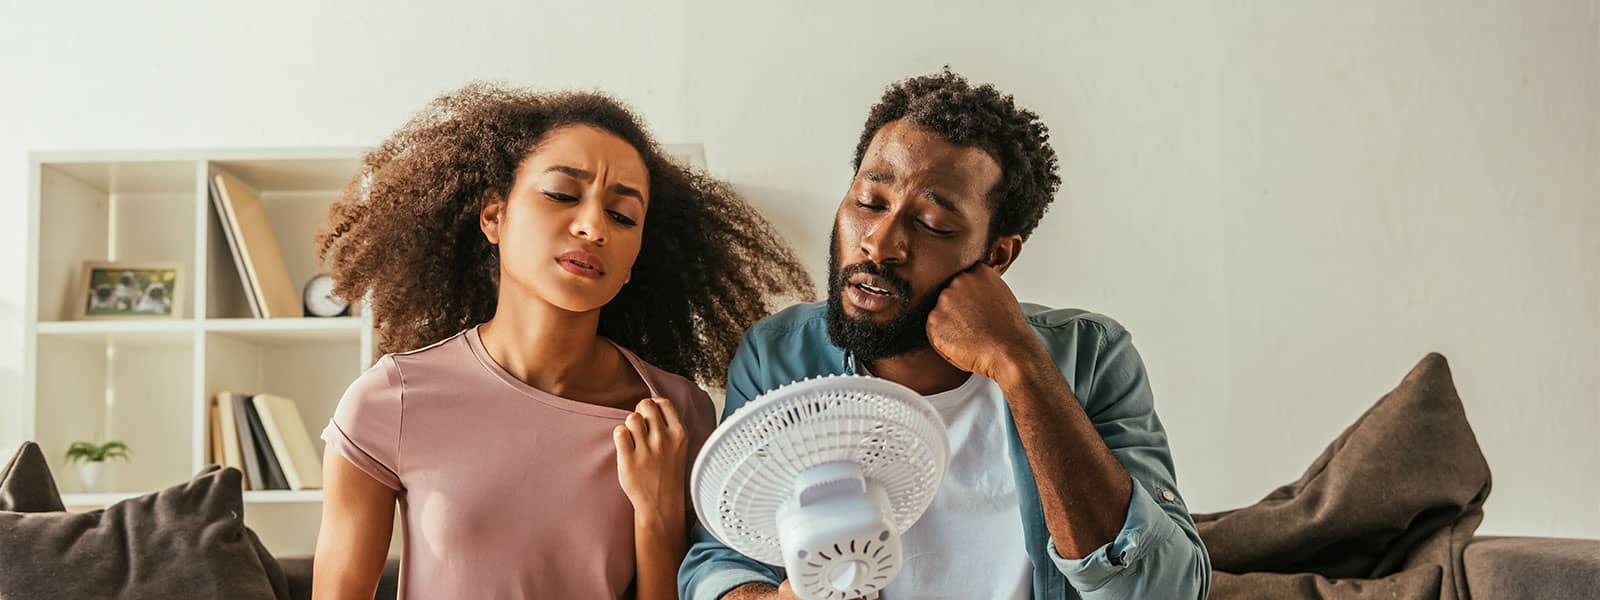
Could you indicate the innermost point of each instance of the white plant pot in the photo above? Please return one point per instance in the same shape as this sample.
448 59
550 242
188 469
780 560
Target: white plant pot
93 476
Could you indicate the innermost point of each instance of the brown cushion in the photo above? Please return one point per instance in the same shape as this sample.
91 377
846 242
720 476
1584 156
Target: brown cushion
1394 498
26 484
1526 568
187 541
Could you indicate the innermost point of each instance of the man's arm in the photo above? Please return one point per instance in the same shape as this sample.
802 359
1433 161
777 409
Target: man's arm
1083 489
1100 463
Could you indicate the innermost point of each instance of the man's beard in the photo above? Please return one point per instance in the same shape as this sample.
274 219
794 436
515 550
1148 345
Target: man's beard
867 340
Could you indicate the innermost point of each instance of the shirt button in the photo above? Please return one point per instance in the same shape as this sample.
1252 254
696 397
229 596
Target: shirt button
1167 495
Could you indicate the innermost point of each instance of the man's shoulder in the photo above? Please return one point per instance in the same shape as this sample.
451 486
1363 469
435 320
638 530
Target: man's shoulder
1075 322
803 319
808 324
792 344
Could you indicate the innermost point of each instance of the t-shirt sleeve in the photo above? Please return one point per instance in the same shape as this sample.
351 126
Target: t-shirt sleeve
365 428
700 419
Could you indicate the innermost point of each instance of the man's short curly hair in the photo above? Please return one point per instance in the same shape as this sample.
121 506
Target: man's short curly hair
985 118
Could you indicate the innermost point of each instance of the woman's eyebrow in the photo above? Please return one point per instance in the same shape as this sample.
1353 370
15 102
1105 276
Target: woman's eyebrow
580 174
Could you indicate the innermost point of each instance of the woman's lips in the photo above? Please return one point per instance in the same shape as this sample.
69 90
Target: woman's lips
582 264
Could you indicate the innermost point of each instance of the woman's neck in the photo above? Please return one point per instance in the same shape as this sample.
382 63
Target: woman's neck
549 348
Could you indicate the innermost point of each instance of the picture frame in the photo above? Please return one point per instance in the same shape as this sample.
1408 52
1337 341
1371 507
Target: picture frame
131 290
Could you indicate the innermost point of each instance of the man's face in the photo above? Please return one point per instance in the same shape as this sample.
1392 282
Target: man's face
916 215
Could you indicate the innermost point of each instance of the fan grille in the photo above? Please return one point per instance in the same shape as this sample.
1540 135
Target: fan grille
748 467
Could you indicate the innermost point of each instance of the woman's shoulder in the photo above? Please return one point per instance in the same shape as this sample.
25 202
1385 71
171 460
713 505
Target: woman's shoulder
692 401
387 375
444 348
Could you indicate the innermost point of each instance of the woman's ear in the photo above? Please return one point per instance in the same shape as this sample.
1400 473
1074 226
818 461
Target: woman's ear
494 210
1004 252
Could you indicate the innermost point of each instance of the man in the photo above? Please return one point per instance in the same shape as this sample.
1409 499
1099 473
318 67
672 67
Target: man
1060 482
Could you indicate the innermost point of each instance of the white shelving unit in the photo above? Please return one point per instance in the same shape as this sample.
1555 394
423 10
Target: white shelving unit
148 382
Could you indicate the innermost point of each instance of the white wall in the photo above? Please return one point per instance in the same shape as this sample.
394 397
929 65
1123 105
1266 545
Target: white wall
1288 203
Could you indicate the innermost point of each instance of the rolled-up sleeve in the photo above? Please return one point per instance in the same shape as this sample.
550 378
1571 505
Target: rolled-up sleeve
1158 552
711 569
1151 557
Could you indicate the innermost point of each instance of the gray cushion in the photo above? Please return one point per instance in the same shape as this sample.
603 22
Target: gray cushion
26 484
1383 513
187 541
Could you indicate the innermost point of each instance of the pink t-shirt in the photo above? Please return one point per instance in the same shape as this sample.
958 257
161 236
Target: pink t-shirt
505 491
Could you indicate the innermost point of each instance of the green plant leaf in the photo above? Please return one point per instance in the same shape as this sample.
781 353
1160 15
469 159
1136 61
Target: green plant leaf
91 452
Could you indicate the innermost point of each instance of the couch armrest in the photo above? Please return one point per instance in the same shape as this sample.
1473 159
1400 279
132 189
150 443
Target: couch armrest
298 570
1513 568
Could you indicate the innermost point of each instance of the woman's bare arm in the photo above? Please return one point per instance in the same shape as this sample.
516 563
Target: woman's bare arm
357 522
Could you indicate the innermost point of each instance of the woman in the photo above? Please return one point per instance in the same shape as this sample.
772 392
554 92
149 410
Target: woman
537 271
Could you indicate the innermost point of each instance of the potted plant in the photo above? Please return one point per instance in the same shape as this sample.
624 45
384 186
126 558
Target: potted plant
91 459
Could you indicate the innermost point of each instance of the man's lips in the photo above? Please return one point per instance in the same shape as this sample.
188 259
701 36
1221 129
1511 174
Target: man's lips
873 284
582 264
871 293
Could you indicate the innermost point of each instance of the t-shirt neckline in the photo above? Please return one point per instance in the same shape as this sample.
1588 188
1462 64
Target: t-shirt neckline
499 372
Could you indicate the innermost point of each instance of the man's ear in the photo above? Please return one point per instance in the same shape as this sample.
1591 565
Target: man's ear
494 209
1004 252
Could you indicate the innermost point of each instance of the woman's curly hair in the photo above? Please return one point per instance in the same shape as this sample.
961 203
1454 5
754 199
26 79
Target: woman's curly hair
405 233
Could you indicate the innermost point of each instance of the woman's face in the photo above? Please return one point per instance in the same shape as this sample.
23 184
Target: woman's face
570 229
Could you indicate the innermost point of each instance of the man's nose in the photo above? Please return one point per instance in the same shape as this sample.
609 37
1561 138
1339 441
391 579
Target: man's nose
885 241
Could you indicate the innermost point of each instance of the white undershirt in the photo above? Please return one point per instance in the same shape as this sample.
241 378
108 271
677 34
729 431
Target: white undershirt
969 543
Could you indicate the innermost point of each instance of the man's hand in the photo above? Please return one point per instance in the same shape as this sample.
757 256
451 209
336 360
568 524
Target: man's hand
761 591
977 325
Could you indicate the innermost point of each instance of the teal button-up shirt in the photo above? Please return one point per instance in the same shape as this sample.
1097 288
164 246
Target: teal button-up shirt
1157 554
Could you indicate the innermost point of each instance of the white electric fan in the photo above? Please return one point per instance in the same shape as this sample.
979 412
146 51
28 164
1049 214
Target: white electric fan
822 476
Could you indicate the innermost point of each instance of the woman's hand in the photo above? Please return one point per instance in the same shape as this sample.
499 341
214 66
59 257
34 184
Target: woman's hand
652 456
652 449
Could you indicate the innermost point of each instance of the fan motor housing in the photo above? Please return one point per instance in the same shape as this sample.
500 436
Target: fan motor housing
837 540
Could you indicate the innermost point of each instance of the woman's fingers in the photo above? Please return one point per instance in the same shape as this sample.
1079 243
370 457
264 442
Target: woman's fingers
623 441
673 425
640 428
656 422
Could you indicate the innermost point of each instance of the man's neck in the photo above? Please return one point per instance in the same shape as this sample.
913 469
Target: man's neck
924 371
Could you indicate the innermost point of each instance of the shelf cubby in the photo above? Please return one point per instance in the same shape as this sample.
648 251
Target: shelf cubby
149 381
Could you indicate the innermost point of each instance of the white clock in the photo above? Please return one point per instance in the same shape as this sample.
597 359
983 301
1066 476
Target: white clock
319 300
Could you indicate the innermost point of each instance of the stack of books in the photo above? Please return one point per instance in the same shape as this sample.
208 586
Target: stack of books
263 436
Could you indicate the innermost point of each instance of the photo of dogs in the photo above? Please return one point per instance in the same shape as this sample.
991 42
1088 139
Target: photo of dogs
124 290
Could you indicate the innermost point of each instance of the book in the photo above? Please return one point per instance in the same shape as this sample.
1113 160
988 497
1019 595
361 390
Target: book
251 459
271 472
233 247
228 435
213 434
258 248
290 440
